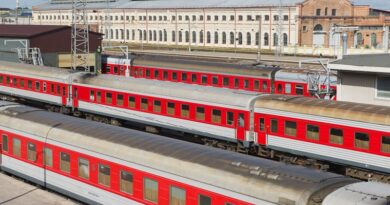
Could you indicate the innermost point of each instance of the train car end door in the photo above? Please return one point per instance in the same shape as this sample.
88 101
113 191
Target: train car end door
240 127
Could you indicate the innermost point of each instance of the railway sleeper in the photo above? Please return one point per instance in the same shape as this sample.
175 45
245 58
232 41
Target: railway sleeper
367 175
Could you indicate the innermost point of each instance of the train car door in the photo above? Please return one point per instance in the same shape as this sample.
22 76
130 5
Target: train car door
240 128
75 97
62 91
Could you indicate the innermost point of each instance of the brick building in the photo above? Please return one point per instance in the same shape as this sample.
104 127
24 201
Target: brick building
322 22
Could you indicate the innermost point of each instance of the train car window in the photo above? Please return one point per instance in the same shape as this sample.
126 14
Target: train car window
228 203
385 145
261 124
115 70
51 87
75 93
58 89
48 157
64 162
215 80
362 140
299 89
312 132
7 80
157 106
108 98
31 152
184 77
165 75
126 182
230 118
83 168
63 91
131 102
147 73
144 104
14 82
200 115
194 78
92 95
155 73
246 84
119 99
336 136
104 176
4 143
204 79
204 200
236 82
44 86
241 120
22 83
108 69
290 128
216 116
264 86
151 190
256 85
185 111
287 88
170 108
177 196
99 96
274 125
37 86
174 76
1 79
225 81
16 147
280 88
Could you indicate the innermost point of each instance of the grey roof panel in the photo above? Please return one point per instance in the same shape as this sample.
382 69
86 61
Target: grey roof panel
370 60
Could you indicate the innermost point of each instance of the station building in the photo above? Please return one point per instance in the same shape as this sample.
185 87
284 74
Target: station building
363 79
230 24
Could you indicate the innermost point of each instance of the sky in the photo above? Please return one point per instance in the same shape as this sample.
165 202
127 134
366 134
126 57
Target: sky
380 4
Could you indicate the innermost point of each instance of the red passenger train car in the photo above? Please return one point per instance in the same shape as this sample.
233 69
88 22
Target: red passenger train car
265 79
104 164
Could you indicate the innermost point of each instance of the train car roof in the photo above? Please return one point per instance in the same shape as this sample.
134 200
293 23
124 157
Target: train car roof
301 75
326 108
200 65
28 70
250 176
179 91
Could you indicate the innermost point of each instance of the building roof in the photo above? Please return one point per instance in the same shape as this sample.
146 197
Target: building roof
28 31
179 4
374 63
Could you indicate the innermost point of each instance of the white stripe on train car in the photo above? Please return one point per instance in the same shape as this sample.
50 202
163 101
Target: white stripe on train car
159 119
353 157
32 95
22 167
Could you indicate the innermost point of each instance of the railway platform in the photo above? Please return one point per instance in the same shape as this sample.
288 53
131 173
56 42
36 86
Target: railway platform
14 191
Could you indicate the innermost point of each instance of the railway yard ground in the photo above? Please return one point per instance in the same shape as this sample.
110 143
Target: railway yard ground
14 191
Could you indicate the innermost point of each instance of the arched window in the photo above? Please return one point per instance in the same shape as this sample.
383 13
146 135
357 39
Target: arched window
216 37
165 36
232 39
180 36
155 35
140 34
276 40
144 35
248 38
160 36
266 39
257 38
201 37
106 33
240 38
133 34
187 36
111 34
318 27
208 37
359 39
326 11
285 39
194 37
173 36
128 34
373 40
150 36
223 37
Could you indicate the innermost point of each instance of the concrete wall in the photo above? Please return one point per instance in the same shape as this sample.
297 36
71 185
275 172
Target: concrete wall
359 88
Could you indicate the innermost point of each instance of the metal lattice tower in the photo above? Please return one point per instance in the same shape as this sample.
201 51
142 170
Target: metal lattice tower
279 30
80 35
17 12
107 23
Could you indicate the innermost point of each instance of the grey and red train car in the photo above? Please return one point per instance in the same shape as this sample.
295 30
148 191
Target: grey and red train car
104 164
350 134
